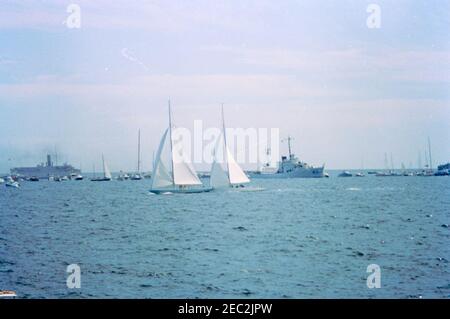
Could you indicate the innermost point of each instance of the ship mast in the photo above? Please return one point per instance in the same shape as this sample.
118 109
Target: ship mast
289 139
225 144
171 145
139 151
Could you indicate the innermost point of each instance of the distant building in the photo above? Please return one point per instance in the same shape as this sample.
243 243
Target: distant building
45 170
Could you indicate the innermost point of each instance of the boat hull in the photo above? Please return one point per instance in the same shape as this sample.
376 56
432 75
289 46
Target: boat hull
180 191
100 179
313 172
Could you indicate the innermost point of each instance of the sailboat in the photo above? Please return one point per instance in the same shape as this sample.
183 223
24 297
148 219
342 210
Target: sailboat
226 172
137 176
172 172
106 173
10 182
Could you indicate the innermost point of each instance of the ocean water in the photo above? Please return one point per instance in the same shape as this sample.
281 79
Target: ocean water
297 238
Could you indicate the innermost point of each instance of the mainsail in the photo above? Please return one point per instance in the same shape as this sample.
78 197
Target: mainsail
162 176
225 171
106 172
235 172
175 169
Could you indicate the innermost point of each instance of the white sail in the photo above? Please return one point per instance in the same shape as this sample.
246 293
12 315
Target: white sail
227 172
235 172
219 171
161 175
106 172
179 170
183 171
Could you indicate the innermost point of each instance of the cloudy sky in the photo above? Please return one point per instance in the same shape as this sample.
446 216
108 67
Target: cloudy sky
346 92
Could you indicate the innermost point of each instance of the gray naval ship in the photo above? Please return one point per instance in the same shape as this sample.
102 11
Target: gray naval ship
45 170
290 167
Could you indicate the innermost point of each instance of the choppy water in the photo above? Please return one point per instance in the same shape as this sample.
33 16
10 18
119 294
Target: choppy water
298 238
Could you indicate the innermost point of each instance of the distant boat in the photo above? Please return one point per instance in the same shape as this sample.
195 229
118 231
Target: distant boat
172 172
34 179
43 171
345 174
79 177
359 174
136 177
122 176
290 167
225 171
106 173
1 180
383 174
10 182
7 294
443 170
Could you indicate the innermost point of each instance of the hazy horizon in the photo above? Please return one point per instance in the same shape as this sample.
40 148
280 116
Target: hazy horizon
347 93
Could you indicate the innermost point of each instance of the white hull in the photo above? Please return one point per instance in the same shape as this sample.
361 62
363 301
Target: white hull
299 172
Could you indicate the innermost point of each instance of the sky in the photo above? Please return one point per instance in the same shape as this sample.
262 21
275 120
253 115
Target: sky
347 93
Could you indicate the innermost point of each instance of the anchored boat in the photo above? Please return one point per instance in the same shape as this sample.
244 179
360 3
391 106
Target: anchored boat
106 173
290 167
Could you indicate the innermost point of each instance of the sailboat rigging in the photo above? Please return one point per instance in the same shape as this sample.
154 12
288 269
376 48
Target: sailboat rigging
172 172
225 171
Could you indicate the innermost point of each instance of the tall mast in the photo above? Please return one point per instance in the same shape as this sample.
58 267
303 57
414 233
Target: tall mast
103 162
289 146
171 146
225 150
419 161
139 151
429 151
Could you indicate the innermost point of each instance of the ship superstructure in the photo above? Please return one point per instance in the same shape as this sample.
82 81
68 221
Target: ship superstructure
45 170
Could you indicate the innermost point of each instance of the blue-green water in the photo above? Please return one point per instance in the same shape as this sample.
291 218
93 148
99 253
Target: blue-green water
298 238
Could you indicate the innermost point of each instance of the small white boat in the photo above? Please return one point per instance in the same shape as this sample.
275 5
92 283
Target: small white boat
13 184
345 174
359 174
7 294
122 176
79 177
1 180
136 177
